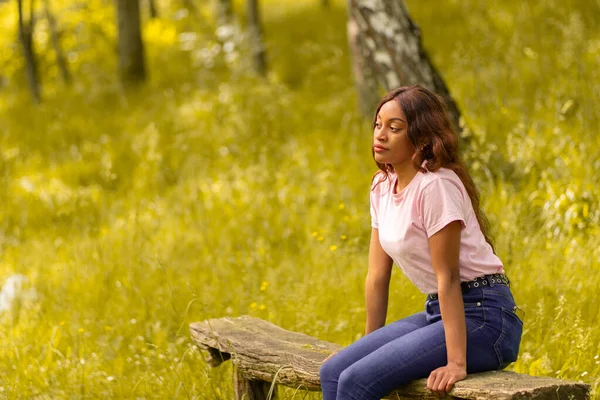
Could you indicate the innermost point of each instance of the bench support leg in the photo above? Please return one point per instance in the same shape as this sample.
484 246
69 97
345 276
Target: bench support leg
246 389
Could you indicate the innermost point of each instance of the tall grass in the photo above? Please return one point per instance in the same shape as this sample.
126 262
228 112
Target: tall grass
211 192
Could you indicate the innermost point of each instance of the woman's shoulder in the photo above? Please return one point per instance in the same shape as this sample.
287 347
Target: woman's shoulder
441 176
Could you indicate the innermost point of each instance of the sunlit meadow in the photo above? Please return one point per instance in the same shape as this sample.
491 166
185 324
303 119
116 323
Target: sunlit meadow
212 192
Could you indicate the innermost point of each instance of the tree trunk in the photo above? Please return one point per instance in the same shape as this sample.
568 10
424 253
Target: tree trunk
132 69
387 53
152 8
257 45
365 80
26 39
54 37
224 12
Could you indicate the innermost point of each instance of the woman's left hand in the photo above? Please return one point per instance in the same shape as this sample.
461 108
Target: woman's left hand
441 380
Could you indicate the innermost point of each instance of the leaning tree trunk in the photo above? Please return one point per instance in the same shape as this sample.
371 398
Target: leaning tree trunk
387 52
131 48
257 45
54 37
26 39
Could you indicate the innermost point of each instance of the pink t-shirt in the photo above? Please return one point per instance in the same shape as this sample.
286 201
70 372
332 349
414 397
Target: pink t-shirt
406 220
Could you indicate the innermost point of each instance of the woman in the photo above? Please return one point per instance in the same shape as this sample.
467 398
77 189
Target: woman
427 219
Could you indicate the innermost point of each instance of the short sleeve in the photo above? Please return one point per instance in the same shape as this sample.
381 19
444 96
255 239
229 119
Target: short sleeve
442 202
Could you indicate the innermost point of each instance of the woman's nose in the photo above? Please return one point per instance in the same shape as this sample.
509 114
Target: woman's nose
379 134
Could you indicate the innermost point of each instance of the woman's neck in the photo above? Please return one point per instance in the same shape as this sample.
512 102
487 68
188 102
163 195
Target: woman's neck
405 174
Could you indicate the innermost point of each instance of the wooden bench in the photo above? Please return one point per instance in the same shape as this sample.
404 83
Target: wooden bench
264 354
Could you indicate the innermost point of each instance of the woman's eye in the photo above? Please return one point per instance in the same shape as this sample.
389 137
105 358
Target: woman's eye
394 129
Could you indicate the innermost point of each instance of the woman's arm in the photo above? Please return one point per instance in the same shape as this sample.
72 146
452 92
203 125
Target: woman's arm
377 284
445 248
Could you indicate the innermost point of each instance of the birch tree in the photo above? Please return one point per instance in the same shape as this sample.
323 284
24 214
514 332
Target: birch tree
26 28
132 68
386 50
257 45
153 11
55 39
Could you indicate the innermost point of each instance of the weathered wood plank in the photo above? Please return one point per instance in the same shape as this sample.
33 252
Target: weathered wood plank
265 352
262 350
501 385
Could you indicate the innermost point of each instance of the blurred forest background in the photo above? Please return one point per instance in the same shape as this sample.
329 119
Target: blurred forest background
137 198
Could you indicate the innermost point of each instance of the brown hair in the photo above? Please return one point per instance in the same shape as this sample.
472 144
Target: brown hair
435 139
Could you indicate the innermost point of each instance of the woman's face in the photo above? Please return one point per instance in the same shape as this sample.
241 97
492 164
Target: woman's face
391 144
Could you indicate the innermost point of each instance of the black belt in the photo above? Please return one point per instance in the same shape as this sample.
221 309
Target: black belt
481 281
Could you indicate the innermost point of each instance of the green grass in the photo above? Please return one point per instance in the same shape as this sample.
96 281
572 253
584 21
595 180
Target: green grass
211 192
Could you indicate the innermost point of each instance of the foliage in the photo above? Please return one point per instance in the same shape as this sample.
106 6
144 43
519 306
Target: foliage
211 192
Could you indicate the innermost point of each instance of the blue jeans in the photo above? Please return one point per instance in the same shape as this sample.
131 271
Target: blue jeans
411 348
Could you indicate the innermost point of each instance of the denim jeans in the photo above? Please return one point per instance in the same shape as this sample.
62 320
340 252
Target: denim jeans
411 348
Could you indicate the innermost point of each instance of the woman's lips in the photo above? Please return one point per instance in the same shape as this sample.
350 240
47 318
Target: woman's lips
379 149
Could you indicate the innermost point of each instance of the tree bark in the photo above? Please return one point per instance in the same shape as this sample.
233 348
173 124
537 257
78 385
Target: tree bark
54 37
387 53
26 39
257 45
132 68
365 80
152 9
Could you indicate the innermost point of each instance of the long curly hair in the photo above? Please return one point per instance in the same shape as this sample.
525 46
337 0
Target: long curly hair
431 132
